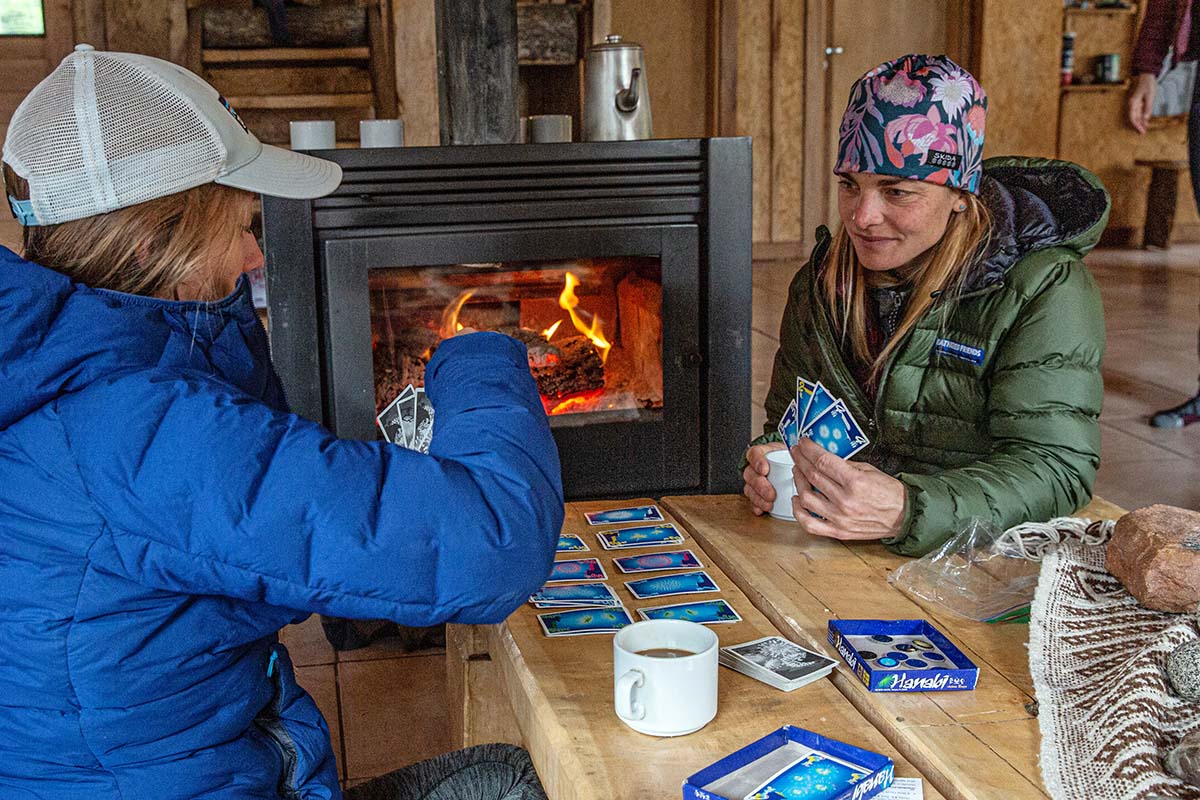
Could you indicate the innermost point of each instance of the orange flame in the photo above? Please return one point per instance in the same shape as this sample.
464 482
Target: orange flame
568 301
450 324
575 402
549 332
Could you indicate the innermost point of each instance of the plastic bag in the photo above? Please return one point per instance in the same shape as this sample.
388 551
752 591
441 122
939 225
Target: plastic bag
974 575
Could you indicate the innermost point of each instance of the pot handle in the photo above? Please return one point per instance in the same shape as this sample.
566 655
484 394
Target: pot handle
627 98
627 709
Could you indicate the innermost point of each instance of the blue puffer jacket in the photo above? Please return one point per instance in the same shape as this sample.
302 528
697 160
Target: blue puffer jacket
162 515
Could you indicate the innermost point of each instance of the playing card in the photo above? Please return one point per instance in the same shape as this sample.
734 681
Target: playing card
582 621
570 543
576 570
423 423
666 585
396 418
579 594
814 777
653 562
789 425
707 612
818 403
838 432
786 660
640 536
804 393
618 515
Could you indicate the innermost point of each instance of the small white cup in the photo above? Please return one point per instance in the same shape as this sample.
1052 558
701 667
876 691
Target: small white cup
660 694
784 483
381 133
549 128
313 134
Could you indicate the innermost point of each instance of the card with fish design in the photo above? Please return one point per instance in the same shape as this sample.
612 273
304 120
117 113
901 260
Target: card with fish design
640 536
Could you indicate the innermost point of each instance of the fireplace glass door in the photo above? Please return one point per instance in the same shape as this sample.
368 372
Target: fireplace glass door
608 318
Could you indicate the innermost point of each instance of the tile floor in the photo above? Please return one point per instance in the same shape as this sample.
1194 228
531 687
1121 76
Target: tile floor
387 708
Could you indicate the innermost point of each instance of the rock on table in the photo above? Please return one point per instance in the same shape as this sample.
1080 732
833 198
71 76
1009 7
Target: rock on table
1155 553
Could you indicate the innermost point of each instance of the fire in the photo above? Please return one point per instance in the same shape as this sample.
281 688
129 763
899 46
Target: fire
549 332
577 402
568 301
450 324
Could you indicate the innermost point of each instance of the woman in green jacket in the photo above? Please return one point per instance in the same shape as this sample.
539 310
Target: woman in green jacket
952 314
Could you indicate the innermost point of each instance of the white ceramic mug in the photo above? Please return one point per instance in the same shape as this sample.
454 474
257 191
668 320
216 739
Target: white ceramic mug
783 481
549 128
665 676
313 134
380 133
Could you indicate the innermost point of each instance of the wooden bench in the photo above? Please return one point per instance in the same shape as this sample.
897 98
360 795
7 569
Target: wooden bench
1161 199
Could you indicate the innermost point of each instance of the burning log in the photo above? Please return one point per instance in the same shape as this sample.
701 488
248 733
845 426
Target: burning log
564 367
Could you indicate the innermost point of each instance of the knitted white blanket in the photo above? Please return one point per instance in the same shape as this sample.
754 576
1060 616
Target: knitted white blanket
1098 659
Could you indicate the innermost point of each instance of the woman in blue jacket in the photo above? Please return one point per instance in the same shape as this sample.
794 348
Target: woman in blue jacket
163 515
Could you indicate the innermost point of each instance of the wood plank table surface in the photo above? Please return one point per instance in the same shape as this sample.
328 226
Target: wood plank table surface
559 691
978 744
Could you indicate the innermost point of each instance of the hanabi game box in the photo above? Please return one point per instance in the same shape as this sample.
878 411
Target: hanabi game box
901 655
793 764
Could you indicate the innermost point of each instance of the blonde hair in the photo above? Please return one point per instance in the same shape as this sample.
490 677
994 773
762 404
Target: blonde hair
843 283
155 248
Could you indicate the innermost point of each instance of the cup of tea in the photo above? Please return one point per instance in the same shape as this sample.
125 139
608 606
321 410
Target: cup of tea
665 676
783 482
381 133
312 134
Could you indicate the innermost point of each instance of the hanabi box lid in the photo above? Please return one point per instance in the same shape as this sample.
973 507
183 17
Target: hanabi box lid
793 763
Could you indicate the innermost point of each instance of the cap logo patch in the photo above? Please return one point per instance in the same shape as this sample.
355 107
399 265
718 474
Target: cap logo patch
232 113
939 158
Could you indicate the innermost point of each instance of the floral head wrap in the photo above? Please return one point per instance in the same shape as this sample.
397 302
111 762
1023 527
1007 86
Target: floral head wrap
918 117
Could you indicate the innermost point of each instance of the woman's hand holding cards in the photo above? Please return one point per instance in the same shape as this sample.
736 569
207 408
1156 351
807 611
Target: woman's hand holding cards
852 501
758 488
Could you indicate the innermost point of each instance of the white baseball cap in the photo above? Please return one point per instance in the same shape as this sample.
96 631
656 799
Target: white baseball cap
109 130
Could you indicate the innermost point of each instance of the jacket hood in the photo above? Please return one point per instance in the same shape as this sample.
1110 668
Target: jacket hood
57 336
1037 203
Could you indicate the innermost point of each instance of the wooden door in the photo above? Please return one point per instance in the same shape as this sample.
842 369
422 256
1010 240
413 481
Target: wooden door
861 36
24 61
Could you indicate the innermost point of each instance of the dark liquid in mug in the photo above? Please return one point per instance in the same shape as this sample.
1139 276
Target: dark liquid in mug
665 652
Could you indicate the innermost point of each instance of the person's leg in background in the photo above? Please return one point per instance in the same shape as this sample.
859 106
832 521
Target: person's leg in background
1188 411
486 772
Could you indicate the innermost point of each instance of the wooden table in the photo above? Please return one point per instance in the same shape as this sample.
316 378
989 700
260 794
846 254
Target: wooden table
978 744
558 692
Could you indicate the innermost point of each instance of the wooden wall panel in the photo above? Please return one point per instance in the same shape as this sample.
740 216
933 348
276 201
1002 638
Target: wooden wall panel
754 105
141 26
787 121
1022 91
674 34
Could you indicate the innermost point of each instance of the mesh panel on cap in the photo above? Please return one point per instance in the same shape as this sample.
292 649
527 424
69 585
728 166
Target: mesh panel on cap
154 141
101 133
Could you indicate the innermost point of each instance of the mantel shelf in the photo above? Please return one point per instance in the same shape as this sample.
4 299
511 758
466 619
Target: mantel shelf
1096 87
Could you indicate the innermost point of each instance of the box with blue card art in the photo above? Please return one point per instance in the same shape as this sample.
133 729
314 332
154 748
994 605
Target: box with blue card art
793 764
901 655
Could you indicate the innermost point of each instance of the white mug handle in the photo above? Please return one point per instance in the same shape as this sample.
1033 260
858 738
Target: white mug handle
626 708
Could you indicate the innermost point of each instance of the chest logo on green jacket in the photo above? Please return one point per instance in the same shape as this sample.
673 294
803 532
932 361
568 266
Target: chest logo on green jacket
963 352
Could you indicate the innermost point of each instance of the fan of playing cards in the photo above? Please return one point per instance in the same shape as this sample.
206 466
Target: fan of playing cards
818 415
777 662
408 420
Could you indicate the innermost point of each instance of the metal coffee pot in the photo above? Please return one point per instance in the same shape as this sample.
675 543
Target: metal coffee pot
616 100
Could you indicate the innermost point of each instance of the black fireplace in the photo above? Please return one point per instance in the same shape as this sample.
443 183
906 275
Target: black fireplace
624 267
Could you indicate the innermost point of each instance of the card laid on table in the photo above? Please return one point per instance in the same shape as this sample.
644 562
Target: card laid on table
787 662
667 585
641 536
583 621
615 516
570 543
576 570
576 594
706 612
837 431
653 562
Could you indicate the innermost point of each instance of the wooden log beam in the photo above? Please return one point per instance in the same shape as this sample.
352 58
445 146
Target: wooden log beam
477 71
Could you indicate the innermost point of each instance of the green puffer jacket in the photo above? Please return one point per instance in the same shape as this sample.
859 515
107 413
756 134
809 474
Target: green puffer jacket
991 406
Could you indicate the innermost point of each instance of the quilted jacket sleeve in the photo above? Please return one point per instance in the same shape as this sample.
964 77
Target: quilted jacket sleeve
207 491
1043 419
